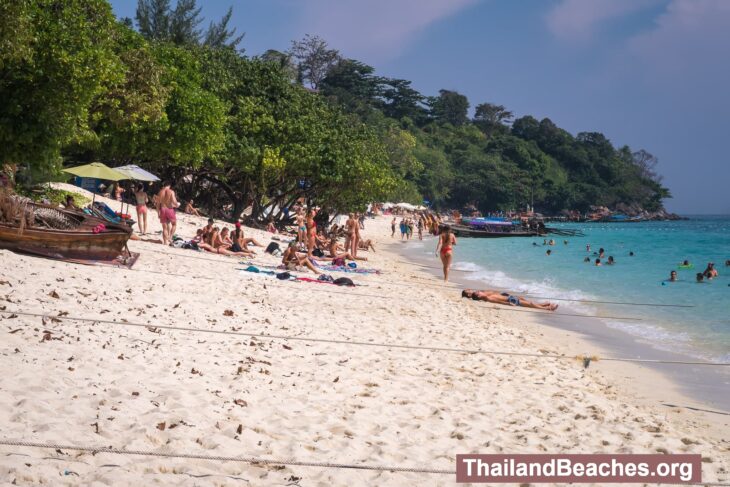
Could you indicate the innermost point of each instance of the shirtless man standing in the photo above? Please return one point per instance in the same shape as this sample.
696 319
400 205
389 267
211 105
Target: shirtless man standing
166 204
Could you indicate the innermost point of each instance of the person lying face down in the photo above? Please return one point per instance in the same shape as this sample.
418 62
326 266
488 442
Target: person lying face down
498 297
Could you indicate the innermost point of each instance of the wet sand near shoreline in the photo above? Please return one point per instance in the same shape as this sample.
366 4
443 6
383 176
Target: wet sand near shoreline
163 390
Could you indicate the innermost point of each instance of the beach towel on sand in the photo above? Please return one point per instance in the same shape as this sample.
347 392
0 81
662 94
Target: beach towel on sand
344 268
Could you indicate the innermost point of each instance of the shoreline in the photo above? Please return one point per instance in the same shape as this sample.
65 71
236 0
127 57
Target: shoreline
697 388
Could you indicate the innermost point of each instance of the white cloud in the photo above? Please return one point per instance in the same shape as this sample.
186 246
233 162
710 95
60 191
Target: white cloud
579 19
375 30
688 46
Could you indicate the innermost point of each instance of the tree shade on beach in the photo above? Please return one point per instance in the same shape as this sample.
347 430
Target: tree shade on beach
80 86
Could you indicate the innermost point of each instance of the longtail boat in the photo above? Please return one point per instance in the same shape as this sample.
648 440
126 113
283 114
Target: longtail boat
493 232
58 233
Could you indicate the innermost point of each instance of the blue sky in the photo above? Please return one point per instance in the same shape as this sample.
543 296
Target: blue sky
653 74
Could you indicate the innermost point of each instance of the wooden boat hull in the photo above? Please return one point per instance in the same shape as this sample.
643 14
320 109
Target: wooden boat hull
65 244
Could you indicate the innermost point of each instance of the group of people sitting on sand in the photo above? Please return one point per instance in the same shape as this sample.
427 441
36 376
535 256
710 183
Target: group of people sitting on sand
224 241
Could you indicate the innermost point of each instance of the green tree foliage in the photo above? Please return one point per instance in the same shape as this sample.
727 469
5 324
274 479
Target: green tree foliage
60 62
196 116
220 35
130 118
240 131
491 118
278 134
450 107
158 21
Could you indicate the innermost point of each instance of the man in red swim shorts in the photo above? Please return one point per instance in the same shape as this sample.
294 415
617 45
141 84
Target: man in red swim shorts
166 204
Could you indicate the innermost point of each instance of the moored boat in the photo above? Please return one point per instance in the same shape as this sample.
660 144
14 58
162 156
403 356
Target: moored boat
500 231
64 234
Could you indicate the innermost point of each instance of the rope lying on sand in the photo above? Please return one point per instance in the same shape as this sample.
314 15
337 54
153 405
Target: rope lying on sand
246 459
585 359
250 460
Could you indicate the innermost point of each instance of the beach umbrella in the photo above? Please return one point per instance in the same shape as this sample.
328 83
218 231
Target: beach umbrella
137 173
96 170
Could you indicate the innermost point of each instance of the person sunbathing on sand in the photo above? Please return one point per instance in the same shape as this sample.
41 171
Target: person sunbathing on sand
294 261
497 297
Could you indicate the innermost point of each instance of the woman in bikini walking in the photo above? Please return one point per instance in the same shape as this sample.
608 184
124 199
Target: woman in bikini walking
142 199
446 243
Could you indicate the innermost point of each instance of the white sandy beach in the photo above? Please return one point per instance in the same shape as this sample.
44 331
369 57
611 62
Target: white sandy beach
102 384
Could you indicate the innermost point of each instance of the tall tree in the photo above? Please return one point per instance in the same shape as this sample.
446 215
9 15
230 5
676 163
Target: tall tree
450 107
401 101
184 22
284 61
492 118
157 21
314 59
220 35
153 19
647 162
352 84
492 113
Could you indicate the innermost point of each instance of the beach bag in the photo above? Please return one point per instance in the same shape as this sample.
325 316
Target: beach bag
272 247
283 276
317 253
352 265
340 262
325 278
343 281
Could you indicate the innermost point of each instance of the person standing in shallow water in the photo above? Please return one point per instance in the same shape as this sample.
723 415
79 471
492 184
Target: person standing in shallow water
446 243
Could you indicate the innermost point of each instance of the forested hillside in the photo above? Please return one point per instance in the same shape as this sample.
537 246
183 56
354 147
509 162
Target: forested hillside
231 129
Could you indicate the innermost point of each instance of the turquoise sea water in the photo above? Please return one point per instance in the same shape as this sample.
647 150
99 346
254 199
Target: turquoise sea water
702 331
